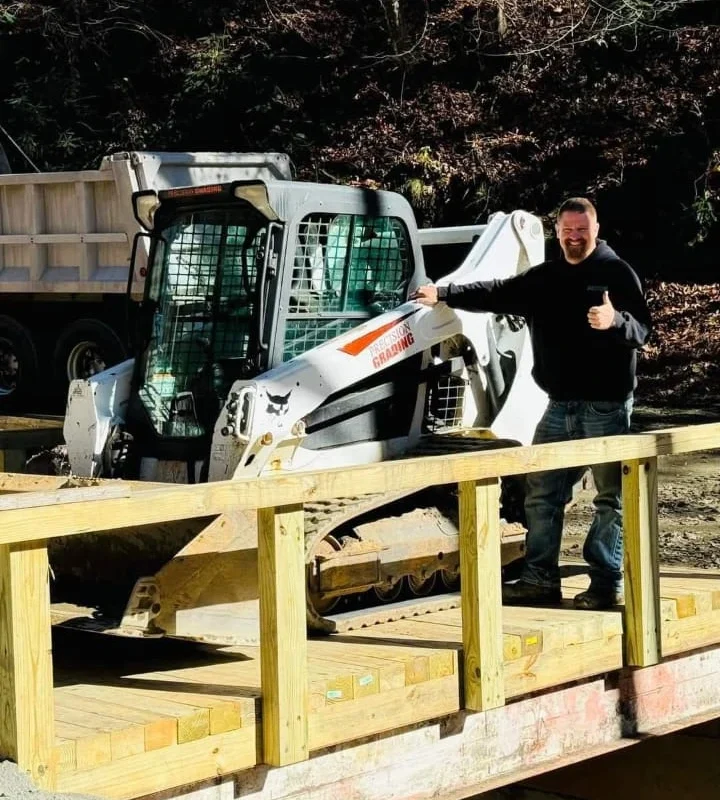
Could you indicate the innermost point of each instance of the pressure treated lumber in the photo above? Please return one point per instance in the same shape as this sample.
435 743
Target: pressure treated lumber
481 594
145 773
283 647
642 583
27 732
170 503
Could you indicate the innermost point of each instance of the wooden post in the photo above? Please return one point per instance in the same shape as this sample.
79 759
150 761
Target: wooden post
283 634
642 580
27 724
481 593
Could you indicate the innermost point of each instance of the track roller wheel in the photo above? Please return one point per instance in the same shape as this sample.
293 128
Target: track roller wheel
450 579
390 592
419 587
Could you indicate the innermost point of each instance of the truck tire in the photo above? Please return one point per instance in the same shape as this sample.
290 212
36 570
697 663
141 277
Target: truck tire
18 366
85 347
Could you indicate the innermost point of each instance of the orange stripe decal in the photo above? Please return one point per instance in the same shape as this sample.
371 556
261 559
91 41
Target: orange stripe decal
356 346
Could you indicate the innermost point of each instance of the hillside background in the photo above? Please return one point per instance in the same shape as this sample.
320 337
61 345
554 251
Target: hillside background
464 106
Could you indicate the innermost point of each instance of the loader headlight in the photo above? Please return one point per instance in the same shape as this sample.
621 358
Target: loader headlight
145 204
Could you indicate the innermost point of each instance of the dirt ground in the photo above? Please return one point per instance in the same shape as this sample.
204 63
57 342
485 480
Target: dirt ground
688 496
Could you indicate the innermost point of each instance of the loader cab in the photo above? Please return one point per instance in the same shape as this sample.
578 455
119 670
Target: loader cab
244 276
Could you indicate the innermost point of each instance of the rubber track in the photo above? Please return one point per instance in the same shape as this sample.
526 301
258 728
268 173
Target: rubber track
322 518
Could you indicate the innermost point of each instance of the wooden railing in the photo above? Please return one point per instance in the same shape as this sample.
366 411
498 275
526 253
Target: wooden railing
30 519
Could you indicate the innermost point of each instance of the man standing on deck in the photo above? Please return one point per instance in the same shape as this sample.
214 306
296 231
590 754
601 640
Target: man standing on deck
587 317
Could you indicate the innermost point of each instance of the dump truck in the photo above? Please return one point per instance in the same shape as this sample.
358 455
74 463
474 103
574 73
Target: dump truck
275 335
65 251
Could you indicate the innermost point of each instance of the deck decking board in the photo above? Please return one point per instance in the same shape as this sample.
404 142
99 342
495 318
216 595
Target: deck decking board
362 683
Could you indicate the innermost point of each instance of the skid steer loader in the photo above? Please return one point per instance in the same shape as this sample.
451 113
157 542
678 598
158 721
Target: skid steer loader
275 335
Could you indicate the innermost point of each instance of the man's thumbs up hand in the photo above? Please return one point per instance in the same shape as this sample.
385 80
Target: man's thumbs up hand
602 317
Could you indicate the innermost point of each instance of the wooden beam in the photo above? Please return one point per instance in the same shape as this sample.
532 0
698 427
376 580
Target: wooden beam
17 482
174 502
283 636
481 594
147 773
642 589
21 433
27 724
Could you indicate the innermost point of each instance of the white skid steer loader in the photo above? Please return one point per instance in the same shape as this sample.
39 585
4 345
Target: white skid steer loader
276 336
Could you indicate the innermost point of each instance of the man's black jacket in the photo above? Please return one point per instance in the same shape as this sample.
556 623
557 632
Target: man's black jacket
572 360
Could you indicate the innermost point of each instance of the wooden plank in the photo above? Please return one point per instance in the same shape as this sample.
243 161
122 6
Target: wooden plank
681 605
283 634
192 722
555 667
481 594
91 747
12 483
182 502
383 712
416 662
223 715
690 633
94 493
181 765
403 642
244 703
159 731
668 609
126 739
704 597
391 674
364 679
668 606
334 686
531 641
240 670
27 732
411 664
642 583
517 640
64 754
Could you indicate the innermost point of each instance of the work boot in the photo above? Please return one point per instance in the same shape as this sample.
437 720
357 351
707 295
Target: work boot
522 593
594 600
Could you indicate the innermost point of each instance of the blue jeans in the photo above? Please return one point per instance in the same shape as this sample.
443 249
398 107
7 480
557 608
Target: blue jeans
547 494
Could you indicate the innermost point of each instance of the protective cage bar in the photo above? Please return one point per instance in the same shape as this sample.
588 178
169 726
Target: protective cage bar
347 268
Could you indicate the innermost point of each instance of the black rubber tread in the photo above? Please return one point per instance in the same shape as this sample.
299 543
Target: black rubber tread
322 518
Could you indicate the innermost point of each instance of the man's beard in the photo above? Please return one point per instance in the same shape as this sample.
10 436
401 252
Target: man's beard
576 251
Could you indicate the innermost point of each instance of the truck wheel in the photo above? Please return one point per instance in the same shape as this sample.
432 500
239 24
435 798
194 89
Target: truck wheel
18 365
85 348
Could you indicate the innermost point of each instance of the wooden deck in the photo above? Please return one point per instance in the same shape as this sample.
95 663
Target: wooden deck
453 703
20 435
137 716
